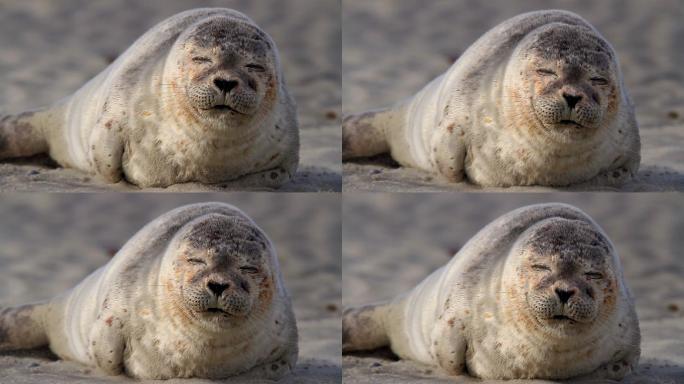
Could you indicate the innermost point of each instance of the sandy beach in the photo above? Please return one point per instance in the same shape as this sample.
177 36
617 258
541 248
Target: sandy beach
51 48
391 49
392 242
51 242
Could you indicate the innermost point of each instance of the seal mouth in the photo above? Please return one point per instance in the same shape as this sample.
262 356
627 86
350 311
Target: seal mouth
222 108
217 311
561 317
571 123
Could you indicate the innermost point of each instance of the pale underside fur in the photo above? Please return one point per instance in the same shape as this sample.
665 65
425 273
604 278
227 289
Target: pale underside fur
127 124
460 319
468 124
120 320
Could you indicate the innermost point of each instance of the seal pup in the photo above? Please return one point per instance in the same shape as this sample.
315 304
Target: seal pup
198 98
537 100
538 293
195 293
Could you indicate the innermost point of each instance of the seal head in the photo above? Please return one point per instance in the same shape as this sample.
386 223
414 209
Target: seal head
562 283
219 272
566 75
226 70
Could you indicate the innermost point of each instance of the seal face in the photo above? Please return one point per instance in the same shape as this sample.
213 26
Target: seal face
222 273
228 70
565 279
574 91
537 100
536 294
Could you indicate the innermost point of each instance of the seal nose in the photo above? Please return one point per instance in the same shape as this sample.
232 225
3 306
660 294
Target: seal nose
572 100
564 295
224 85
217 288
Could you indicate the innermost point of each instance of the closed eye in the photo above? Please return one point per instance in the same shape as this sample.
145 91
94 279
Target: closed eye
540 267
201 59
255 67
599 81
545 72
250 270
194 260
593 275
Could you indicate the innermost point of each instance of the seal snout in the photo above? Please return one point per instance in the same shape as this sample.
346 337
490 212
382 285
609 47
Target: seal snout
571 98
565 294
217 288
225 86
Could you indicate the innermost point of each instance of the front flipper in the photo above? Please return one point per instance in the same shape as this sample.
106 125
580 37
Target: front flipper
449 345
616 370
106 343
449 151
273 370
106 150
271 178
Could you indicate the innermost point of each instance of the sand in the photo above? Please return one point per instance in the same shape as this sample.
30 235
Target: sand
391 49
392 242
52 241
50 48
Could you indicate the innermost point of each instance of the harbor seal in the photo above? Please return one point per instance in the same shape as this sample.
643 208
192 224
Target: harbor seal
538 293
537 100
198 98
195 293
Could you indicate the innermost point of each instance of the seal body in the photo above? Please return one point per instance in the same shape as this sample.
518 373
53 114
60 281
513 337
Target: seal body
538 293
198 98
195 293
537 100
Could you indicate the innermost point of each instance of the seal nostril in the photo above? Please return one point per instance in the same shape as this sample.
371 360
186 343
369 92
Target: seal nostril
572 100
225 85
564 295
216 288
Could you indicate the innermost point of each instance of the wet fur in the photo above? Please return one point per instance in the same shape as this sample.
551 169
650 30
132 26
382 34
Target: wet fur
474 315
478 121
130 317
139 121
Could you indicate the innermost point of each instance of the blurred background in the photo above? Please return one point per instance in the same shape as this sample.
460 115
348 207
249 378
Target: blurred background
392 49
391 242
50 48
52 241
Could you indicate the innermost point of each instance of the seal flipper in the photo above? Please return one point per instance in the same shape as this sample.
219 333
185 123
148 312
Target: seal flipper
22 134
23 327
368 134
363 328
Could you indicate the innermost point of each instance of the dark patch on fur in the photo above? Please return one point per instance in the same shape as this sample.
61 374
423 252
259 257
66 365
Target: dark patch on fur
575 45
568 238
224 32
227 234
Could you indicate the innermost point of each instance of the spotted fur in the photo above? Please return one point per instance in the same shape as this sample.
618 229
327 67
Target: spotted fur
537 294
537 100
198 98
195 293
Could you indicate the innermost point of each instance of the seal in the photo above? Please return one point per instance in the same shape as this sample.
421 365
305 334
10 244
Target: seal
198 98
537 100
538 293
196 293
